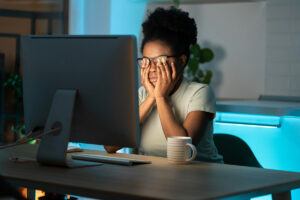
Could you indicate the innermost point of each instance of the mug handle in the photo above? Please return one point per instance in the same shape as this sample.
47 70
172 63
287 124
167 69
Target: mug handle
194 152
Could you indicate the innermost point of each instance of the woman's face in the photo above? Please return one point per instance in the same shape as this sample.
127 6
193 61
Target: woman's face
154 49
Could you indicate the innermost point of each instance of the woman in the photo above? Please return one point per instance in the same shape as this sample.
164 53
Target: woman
169 105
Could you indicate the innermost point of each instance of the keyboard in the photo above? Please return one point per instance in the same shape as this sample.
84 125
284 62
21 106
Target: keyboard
109 159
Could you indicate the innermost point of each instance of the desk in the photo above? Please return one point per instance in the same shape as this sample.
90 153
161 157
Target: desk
159 180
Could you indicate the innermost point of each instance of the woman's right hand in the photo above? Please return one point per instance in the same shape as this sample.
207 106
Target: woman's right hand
145 69
111 149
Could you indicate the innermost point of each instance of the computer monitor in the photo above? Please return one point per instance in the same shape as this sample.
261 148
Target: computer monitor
97 74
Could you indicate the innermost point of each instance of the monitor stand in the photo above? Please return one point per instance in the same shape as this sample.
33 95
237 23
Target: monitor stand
53 146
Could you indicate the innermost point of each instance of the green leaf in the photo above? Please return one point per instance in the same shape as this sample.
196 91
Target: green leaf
196 79
207 55
197 56
207 77
14 82
193 65
32 141
195 50
200 73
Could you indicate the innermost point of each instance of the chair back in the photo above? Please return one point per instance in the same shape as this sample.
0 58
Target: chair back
235 151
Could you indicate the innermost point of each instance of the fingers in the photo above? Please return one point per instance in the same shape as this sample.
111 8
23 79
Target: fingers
167 70
174 73
159 74
143 75
147 70
147 79
144 67
163 73
145 63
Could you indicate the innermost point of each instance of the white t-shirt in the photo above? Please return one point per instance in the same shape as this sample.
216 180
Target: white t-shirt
190 96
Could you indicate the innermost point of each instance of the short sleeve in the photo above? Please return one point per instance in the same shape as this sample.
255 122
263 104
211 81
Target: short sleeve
202 99
142 95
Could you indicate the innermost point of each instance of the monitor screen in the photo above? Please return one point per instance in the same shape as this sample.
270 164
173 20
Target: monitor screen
102 69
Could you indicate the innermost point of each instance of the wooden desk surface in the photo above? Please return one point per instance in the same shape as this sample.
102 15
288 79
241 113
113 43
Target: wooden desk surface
159 180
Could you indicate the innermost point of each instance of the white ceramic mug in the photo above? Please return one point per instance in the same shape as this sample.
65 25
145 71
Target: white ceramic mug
180 150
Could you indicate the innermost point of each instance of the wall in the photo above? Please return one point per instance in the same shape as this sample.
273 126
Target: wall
283 48
89 17
106 16
236 33
257 45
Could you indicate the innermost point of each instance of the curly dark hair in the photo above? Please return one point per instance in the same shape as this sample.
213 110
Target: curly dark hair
171 26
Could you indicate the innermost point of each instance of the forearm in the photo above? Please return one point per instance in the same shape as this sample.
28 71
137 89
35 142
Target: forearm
169 124
145 108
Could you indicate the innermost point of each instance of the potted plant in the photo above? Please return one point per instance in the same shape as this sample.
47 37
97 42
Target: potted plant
198 56
13 82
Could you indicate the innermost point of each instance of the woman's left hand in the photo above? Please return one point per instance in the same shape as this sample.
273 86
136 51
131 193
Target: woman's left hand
166 79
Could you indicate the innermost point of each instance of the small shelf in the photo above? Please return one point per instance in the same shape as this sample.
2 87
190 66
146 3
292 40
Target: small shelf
32 5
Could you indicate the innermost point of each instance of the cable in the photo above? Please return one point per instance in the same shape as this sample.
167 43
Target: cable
18 141
28 138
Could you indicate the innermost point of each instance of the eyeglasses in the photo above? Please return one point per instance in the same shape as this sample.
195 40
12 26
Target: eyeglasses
144 61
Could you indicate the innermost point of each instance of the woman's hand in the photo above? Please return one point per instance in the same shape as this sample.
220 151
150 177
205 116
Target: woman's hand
166 79
111 149
145 69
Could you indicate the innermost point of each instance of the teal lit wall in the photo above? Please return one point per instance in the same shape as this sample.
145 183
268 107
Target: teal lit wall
77 17
274 140
127 16
107 16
